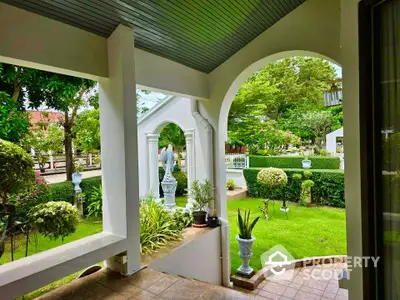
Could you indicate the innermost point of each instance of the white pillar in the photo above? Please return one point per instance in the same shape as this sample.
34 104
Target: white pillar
190 163
51 160
154 177
118 128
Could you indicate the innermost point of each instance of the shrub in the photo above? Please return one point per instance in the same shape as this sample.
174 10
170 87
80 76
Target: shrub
272 178
317 162
157 225
94 205
183 219
201 194
328 188
181 179
16 169
230 184
64 191
55 219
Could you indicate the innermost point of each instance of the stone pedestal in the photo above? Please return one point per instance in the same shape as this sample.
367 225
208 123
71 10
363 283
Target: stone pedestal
169 187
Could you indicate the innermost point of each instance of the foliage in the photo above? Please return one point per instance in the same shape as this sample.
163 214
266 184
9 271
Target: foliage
95 207
79 167
305 195
16 169
27 199
173 134
86 131
328 188
293 162
157 225
181 178
245 227
321 152
291 84
49 137
55 219
202 195
230 184
319 123
272 178
264 208
183 219
64 191
14 122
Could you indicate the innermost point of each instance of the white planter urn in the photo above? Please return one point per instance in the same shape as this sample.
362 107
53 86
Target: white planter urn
306 164
76 180
245 253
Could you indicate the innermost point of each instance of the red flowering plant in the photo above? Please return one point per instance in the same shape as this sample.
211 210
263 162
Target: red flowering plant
36 194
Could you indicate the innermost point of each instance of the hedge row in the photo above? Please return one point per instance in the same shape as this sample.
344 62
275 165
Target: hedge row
317 162
64 191
328 188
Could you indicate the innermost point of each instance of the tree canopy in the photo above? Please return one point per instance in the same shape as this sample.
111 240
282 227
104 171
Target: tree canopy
289 92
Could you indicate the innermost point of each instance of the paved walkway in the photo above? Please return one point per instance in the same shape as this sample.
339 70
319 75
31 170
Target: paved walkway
152 285
63 177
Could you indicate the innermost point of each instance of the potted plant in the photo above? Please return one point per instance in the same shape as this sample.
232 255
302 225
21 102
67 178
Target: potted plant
245 240
230 184
212 218
272 178
306 163
77 176
201 193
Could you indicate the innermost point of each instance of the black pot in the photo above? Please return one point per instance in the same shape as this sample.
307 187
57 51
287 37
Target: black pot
199 217
213 222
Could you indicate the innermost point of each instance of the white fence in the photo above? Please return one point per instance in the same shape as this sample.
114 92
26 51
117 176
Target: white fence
236 161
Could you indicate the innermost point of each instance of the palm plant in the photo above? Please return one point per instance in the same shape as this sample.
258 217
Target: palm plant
245 227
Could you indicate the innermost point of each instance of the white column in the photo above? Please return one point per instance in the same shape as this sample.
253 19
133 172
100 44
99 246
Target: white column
154 177
118 128
51 159
190 163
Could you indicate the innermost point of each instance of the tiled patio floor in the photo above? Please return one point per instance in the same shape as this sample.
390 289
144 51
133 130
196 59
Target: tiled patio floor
149 284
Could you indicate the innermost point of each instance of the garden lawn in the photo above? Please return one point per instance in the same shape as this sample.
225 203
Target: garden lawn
310 231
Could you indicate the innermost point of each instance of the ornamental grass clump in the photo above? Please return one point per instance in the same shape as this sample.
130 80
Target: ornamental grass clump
271 178
157 225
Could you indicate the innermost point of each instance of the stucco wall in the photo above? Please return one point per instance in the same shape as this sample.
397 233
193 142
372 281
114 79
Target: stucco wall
199 259
178 111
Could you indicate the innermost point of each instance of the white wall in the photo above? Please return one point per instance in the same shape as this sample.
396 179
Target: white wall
177 110
237 176
331 140
199 259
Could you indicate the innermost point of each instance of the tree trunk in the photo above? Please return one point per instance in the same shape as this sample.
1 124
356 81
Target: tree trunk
69 159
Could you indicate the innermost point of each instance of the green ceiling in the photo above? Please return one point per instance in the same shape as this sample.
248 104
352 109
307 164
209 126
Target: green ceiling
200 34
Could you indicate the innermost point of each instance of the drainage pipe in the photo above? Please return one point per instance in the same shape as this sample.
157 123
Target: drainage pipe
209 150
225 251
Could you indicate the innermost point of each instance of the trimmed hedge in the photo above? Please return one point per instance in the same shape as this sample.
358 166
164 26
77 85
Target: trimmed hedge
328 188
64 191
317 162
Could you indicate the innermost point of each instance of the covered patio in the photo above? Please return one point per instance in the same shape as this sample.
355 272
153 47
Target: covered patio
200 52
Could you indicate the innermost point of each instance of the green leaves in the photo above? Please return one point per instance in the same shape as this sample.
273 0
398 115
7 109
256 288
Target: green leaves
86 131
245 227
201 193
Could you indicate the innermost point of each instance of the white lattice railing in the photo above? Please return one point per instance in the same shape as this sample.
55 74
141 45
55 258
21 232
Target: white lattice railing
236 161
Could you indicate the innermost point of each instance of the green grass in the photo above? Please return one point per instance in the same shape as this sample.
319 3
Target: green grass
310 231
181 201
84 229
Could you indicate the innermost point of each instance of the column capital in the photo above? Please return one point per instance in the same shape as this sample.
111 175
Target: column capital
189 134
152 137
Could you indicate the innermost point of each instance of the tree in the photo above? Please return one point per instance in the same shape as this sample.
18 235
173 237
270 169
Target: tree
320 124
14 122
173 134
282 89
86 131
48 138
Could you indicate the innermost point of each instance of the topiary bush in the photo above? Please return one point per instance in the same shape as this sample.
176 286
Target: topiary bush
328 188
317 162
55 219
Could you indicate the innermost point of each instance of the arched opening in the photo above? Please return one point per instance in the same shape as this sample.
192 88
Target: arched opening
282 97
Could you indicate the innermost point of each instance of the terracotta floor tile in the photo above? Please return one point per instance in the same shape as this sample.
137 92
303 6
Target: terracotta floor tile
144 278
184 289
328 295
343 293
285 298
144 295
308 289
268 295
275 288
162 284
302 295
290 292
